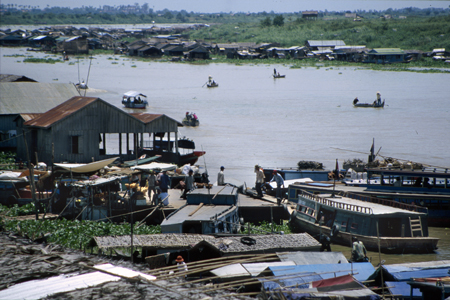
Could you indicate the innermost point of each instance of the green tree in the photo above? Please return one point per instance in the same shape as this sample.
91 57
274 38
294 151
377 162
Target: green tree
266 22
278 20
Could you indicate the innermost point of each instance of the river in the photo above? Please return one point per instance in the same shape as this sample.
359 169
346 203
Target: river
252 118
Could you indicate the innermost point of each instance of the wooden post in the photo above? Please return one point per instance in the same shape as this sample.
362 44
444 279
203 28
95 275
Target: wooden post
30 168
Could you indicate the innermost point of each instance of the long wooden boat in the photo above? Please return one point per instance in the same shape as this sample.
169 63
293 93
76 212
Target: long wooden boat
388 229
212 84
278 76
375 104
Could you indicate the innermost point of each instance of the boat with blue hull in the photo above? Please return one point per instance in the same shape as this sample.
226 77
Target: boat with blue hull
428 188
393 228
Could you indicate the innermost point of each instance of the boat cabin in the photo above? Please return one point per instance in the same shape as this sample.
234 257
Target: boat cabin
412 181
207 211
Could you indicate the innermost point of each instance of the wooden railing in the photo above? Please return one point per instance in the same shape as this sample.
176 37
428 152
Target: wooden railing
336 204
387 202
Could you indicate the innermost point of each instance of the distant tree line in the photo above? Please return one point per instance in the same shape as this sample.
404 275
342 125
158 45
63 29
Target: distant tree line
15 14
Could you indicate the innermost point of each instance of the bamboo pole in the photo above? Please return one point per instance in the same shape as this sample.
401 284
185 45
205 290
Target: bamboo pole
213 266
207 261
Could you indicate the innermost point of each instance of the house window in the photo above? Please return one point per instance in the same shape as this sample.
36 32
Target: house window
75 144
354 226
344 224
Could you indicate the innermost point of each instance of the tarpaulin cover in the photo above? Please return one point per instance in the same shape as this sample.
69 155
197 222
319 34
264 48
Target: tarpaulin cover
407 275
361 271
402 288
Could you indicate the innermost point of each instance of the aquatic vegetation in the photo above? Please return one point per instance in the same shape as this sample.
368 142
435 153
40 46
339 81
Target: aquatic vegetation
42 60
73 234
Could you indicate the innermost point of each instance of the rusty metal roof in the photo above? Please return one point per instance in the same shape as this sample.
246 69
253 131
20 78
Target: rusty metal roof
28 117
61 111
15 78
148 118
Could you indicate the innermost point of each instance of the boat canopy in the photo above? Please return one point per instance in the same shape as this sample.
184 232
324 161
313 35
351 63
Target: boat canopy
155 166
133 94
87 168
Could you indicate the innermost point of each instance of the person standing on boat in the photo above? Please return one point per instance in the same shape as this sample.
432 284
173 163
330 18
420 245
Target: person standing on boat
280 183
378 98
164 182
259 180
359 252
274 72
151 186
189 183
221 176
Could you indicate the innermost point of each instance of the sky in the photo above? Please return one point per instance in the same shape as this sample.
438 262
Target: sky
216 6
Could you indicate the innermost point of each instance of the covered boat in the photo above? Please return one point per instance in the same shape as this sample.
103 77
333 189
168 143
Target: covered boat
133 99
211 83
389 229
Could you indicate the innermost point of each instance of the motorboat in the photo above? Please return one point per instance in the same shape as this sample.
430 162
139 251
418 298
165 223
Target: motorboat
133 99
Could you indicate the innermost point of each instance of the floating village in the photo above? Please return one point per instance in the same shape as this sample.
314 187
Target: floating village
206 248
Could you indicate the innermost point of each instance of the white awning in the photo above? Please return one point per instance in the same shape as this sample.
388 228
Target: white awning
86 168
155 166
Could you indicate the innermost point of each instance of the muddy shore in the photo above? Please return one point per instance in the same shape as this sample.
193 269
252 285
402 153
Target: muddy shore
22 260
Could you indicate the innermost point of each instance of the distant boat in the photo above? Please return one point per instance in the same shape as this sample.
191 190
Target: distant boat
133 99
211 83
278 76
376 103
191 120
82 85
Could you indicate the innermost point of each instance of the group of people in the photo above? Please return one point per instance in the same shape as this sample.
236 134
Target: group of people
157 184
260 181
191 116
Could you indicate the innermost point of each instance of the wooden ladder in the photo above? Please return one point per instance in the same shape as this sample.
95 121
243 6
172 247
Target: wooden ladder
416 226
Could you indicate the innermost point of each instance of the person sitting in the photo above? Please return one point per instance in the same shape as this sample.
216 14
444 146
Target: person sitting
418 182
426 183
355 100
397 182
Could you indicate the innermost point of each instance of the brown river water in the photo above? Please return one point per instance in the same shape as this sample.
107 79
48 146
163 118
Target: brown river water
252 118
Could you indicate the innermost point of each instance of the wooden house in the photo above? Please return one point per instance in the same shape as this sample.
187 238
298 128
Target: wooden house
310 15
79 130
149 50
174 50
385 56
72 45
199 52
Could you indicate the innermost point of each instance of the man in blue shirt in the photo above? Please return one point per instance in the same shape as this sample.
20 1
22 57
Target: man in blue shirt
280 183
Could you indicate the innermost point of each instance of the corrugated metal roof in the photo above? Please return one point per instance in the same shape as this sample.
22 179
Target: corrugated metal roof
325 43
14 78
28 117
148 118
383 51
361 271
61 111
33 97
37 289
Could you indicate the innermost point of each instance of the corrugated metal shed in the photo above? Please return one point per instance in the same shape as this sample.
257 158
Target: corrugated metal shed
33 97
